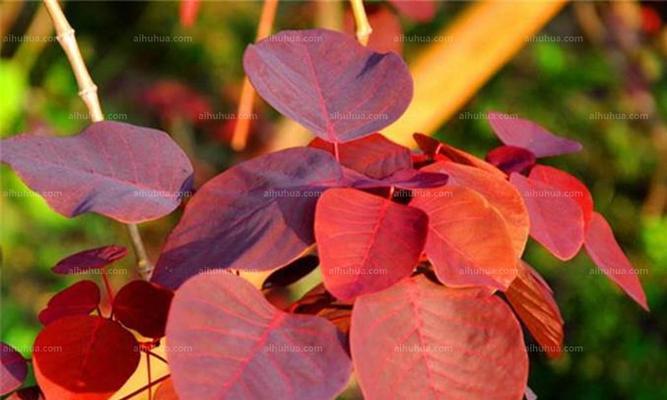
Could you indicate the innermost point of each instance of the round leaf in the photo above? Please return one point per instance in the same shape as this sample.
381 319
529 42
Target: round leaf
143 306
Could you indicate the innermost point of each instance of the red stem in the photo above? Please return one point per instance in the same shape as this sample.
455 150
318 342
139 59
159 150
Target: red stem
336 152
148 368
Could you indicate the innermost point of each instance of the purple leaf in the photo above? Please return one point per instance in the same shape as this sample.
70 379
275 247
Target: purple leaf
125 172
528 135
90 259
329 83
374 156
403 179
244 348
511 159
257 215
13 369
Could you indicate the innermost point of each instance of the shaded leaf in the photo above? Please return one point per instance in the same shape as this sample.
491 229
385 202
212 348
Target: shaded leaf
258 215
498 192
468 241
366 243
292 272
94 358
527 134
129 173
404 179
143 306
13 369
534 304
27 393
511 159
443 344
79 299
567 184
444 152
242 345
89 259
602 247
329 83
374 156
556 219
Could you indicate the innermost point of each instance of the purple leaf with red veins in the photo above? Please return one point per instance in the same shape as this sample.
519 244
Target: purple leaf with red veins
79 299
511 159
13 369
258 215
468 241
527 134
86 260
129 173
403 179
366 243
374 156
434 342
602 247
248 349
329 83
556 218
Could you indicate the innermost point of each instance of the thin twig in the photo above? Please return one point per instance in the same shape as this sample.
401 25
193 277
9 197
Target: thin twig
364 29
244 115
88 93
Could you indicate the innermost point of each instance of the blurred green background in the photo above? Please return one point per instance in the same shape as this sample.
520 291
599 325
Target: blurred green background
171 74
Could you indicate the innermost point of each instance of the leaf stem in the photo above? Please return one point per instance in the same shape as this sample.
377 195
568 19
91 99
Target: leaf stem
107 285
244 114
148 370
88 93
364 29
336 151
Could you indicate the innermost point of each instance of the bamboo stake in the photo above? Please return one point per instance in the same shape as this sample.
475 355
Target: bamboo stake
88 93
244 115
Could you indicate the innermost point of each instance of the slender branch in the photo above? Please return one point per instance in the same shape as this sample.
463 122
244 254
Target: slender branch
88 93
244 114
364 29
136 392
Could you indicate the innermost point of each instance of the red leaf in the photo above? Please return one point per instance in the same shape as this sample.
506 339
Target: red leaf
419 340
13 369
556 219
243 347
511 159
568 184
90 259
366 243
436 148
387 31
143 306
125 172
404 179
416 10
533 302
166 391
257 215
27 393
468 241
84 358
605 252
498 192
79 299
329 83
527 134
188 12
374 156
